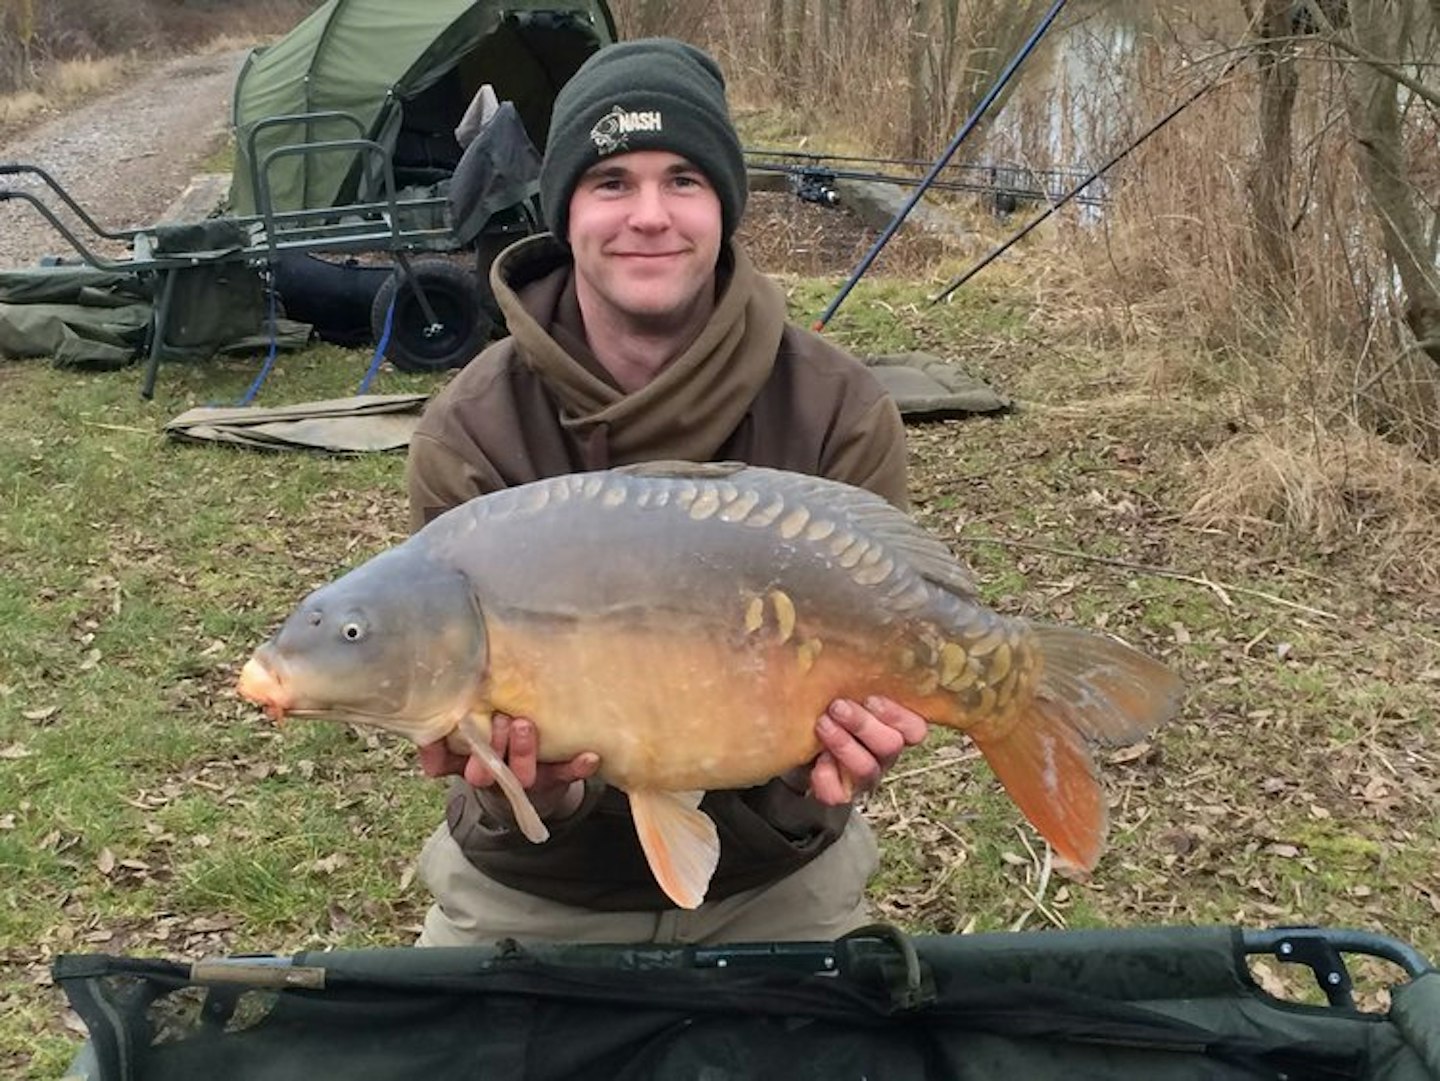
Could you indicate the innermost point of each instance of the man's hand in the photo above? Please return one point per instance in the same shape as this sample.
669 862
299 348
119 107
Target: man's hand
555 788
860 744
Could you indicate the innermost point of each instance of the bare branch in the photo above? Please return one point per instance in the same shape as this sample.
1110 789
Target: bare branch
1385 68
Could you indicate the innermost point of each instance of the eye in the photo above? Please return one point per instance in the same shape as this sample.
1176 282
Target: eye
352 632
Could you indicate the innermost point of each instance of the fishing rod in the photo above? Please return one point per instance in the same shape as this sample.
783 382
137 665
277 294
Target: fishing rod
863 160
1073 192
914 163
812 182
960 137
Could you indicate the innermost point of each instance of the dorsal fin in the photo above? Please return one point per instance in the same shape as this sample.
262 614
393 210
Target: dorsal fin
864 510
879 520
932 559
680 470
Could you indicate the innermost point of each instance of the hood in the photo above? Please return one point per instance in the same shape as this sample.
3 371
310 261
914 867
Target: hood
692 407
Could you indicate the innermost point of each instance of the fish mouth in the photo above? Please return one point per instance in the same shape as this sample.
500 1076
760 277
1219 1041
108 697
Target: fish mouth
261 684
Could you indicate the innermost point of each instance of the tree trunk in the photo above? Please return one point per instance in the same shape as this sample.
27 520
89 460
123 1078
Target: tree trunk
1269 180
778 48
1374 105
917 62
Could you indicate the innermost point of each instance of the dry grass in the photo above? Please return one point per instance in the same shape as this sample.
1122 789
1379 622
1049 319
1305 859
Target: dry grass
804 238
63 84
1337 488
16 109
72 80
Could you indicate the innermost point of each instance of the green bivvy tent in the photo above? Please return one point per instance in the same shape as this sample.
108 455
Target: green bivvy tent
407 72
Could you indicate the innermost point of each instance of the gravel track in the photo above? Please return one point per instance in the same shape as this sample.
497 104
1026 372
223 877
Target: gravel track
125 156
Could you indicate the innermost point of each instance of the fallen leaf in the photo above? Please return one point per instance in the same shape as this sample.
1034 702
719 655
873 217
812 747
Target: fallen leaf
1134 753
15 751
105 861
39 716
209 924
1288 852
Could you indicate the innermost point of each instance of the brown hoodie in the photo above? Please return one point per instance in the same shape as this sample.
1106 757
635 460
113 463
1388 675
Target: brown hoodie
750 388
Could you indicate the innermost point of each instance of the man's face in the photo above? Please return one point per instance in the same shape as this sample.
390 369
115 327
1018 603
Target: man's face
645 230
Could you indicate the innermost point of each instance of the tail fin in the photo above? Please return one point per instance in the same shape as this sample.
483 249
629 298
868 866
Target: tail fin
1091 689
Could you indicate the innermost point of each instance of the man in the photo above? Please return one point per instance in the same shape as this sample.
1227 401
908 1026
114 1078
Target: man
640 332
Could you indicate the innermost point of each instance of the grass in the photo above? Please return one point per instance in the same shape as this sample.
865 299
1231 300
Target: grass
144 809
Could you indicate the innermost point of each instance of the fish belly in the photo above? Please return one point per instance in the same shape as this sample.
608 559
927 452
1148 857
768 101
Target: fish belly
676 707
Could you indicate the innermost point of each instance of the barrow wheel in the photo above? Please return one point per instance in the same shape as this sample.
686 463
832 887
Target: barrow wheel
461 325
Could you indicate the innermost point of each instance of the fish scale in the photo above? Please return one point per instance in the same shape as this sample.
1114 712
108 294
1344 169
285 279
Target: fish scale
688 624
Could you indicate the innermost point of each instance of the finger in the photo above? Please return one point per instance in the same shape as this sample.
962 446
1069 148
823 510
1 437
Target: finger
825 782
476 773
438 760
860 743
523 751
913 727
563 773
581 766
500 733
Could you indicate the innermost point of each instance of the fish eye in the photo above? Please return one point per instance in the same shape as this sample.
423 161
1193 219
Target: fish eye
352 631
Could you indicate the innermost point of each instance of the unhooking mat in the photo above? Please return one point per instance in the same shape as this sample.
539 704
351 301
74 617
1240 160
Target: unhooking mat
925 387
366 422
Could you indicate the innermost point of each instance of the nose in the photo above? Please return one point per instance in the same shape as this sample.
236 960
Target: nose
648 210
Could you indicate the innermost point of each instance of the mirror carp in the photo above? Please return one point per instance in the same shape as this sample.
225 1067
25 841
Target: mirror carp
689 623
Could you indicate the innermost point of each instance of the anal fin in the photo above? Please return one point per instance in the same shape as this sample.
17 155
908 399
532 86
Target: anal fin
680 842
526 817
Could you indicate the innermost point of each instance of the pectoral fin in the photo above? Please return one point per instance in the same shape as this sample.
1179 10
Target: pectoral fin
525 815
680 842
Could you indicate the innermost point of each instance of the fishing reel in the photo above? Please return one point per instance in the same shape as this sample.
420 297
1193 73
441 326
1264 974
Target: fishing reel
814 185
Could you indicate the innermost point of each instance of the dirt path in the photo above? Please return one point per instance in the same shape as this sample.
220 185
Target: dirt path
125 156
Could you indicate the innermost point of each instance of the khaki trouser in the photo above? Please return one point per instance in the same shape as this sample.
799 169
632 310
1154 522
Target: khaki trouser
822 901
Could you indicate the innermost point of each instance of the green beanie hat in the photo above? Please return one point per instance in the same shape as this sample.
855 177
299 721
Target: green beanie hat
650 94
